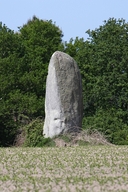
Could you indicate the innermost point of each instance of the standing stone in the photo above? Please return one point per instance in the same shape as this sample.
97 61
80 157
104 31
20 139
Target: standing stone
63 102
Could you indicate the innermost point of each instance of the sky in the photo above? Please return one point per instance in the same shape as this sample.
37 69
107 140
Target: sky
73 17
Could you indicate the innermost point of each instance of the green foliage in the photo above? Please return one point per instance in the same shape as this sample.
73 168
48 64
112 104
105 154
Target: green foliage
103 62
110 123
39 39
24 58
83 143
7 130
34 135
109 65
65 137
8 81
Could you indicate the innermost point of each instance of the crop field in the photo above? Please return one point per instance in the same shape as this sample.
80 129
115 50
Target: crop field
64 169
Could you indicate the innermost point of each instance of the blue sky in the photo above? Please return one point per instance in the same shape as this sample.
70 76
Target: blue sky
74 17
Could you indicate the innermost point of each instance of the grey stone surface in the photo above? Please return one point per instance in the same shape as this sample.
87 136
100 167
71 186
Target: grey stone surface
63 100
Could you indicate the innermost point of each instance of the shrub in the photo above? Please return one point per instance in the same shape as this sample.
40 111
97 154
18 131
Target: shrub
34 135
110 124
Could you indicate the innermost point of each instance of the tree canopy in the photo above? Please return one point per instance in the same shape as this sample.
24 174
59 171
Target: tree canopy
24 59
103 62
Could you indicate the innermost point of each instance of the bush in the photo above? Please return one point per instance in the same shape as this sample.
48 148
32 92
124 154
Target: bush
34 135
110 124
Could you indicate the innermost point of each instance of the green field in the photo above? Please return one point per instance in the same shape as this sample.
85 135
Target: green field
64 169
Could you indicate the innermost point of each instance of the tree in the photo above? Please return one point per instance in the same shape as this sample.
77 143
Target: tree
103 61
23 64
8 48
109 43
40 40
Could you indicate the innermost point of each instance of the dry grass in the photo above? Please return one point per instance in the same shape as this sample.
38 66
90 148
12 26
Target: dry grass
83 137
67 169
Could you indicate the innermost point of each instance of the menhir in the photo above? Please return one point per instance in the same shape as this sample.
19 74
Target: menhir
63 101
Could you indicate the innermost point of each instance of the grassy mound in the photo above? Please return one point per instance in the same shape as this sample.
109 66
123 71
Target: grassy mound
31 136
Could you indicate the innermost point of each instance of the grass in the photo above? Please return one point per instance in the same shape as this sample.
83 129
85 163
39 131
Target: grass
82 138
64 169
